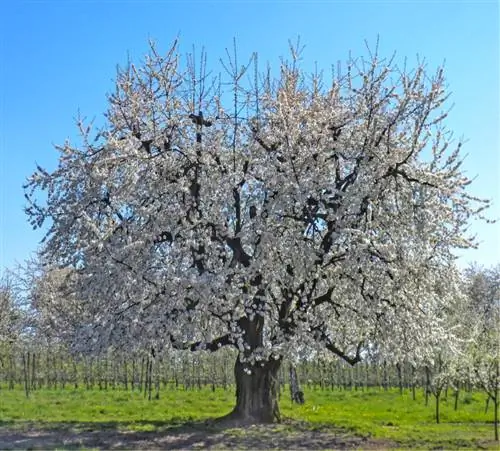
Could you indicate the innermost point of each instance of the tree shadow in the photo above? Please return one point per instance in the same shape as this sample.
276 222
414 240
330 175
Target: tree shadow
208 434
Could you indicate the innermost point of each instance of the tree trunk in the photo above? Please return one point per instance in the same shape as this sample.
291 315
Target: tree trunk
296 393
495 400
438 398
456 395
495 422
257 392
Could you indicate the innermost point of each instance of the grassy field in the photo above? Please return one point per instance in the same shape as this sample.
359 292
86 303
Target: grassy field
394 419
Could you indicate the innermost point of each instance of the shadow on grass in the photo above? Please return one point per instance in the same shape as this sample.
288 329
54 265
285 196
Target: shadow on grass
209 434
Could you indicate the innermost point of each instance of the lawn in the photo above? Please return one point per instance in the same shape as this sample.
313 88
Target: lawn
384 417
397 417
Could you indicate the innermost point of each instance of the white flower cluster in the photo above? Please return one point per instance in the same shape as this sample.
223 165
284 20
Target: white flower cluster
325 217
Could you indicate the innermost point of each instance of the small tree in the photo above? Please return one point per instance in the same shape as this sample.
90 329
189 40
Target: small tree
483 288
441 372
309 214
15 324
11 316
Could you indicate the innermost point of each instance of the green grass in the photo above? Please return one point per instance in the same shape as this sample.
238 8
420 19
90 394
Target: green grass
112 406
390 415
378 414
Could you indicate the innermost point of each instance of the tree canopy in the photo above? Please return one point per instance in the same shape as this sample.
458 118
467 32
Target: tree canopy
275 214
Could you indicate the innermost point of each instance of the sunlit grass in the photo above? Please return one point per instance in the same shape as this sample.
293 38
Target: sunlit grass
397 417
105 406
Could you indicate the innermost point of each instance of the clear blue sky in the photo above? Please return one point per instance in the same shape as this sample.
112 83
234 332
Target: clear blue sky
59 57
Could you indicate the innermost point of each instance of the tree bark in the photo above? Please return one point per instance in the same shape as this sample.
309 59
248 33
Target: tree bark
256 392
495 422
438 398
296 393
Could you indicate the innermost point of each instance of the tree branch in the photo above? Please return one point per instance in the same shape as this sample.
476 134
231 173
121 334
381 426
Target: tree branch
211 346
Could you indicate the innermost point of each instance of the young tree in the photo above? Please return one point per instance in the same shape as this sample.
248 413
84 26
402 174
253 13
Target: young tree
483 312
305 215
11 316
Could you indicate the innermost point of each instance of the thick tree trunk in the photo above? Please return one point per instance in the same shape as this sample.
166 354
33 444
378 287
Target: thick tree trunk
256 392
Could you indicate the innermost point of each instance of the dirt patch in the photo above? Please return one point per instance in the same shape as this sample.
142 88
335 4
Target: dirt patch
192 436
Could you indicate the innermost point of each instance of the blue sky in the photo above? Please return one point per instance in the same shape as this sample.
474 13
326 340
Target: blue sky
60 57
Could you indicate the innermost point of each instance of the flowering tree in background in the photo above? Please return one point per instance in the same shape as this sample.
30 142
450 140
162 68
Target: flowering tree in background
11 317
445 365
483 289
282 216
57 311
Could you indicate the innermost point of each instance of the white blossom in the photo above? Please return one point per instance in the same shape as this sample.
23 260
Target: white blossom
318 218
